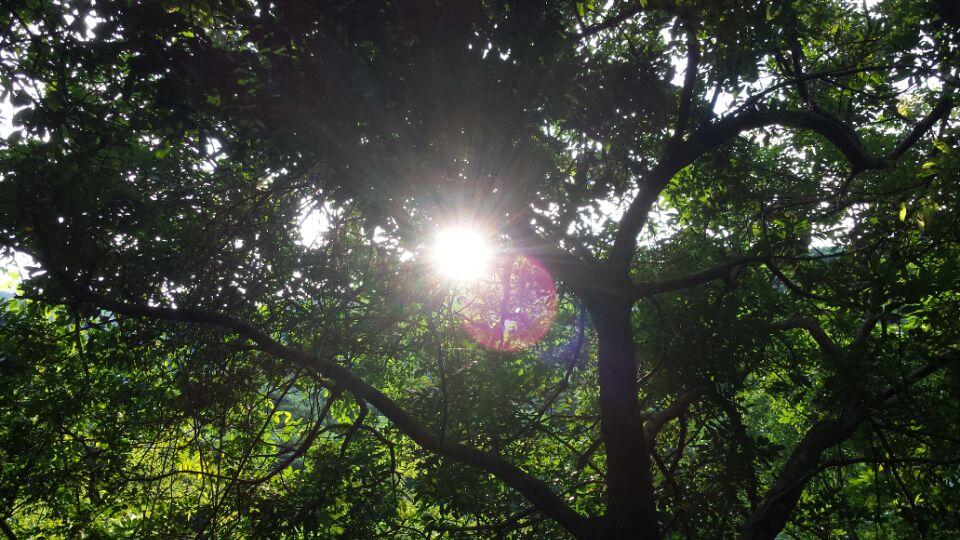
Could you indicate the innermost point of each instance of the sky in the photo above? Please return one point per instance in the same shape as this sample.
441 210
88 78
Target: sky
11 267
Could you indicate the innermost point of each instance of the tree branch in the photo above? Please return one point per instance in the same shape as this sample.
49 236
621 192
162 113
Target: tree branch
827 126
666 5
689 81
840 135
7 531
885 461
726 271
934 365
364 411
941 110
772 514
795 79
625 240
713 135
816 332
709 137
863 332
788 283
535 490
572 362
611 22
804 463
739 443
657 420
304 445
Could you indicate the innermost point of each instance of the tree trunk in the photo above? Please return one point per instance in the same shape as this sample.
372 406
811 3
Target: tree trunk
631 512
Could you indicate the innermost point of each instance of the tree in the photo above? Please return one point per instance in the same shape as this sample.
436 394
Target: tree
749 209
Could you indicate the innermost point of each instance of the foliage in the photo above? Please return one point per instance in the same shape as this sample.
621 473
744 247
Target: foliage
750 209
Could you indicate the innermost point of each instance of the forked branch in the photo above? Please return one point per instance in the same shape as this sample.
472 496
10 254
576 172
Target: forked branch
804 463
715 134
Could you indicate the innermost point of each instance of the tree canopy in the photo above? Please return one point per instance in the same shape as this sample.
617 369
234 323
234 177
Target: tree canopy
723 301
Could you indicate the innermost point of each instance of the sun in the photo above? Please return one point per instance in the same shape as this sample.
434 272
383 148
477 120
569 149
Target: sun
462 254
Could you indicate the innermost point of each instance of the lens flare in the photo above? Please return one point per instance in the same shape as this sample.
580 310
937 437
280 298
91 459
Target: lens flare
512 308
505 302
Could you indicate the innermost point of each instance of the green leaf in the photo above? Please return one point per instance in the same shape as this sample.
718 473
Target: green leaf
772 13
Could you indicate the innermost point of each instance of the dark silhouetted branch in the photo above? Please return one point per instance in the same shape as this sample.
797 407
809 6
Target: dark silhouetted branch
794 288
364 411
535 490
888 461
804 463
611 22
813 328
726 271
304 445
5 527
657 420
769 518
863 332
669 6
934 365
689 81
940 111
715 134
572 362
